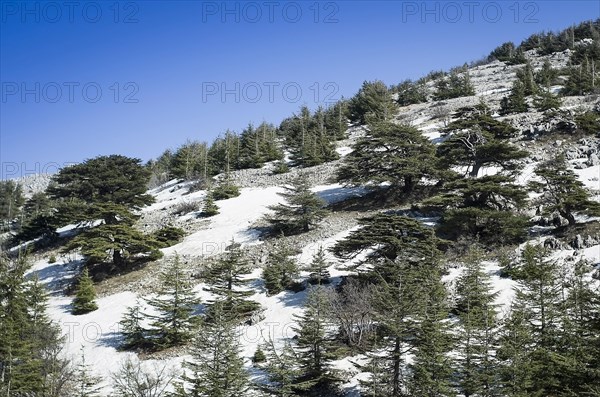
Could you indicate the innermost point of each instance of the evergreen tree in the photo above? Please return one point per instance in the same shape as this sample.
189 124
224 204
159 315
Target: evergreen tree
373 103
319 274
302 211
280 269
191 160
116 245
31 356
11 200
582 79
527 77
175 305
515 102
562 191
85 295
547 75
314 344
546 100
537 308
210 208
477 148
336 119
225 190
87 385
456 84
393 154
135 335
225 281
410 92
477 341
282 371
216 368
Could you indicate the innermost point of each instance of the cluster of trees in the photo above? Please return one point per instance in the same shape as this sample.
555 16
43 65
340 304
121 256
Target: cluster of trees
530 83
449 179
308 136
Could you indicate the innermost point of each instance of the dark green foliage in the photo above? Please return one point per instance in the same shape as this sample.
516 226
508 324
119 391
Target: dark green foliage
582 79
394 154
588 123
85 294
310 140
224 153
478 326
336 119
562 191
547 75
280 270
175 304
38 204
119 245
135 335
189 161
115 179
480 117
373 103
282 371
161 169
318 268
210 208
477 140
457 84
301 211
258 146
508 53
31 357
490 226
225 281
280 167
168 236
527 77
411 92
515 102
259 356
225 190
314 343
11 200
216 367
546 100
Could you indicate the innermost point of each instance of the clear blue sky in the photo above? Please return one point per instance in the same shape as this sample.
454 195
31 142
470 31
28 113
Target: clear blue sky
161 67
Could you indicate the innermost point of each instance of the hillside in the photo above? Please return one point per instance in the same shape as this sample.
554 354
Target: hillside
542 134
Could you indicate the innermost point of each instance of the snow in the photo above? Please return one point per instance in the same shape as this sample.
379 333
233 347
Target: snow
233 222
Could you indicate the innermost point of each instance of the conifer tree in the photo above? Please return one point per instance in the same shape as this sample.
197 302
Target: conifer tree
302 211
319 274
280 270
478 325
175 304
134 333
314 344
397 155
85 295
216 367
372 104
210 208
432 367
31 356
225 281
562 191
546 100
282 371
515 102
86 384
527 77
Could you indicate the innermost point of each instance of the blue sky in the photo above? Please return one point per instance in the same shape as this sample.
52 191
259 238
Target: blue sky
81 79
